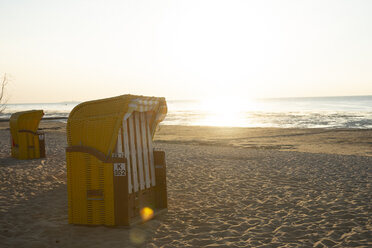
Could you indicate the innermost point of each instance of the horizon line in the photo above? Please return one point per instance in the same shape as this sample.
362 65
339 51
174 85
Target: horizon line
259 98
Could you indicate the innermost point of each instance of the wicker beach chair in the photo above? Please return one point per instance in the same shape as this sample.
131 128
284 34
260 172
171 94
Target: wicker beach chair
26 141
113 172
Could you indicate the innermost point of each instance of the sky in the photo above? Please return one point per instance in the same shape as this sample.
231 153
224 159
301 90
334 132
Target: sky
78 50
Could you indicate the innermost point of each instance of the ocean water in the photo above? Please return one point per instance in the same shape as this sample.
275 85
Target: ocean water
316 112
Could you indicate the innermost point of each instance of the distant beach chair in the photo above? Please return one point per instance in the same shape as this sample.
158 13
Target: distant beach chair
113 173
27 142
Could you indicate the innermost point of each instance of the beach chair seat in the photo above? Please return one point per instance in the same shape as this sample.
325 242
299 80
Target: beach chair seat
26 141
113 172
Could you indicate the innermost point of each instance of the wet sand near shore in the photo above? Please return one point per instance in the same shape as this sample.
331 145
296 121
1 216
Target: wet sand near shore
227 187
313 140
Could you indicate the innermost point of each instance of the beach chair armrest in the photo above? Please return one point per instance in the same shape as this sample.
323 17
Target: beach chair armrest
29 131
96 153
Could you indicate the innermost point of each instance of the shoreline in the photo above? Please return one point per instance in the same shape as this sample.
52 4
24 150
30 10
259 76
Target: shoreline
342 141
43 119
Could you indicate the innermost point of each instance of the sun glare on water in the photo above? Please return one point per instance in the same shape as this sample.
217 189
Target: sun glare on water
225 111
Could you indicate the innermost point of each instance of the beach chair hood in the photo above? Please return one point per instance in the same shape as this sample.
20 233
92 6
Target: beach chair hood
25 120
96 123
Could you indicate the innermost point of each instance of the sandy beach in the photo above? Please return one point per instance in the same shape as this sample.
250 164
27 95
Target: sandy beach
227 187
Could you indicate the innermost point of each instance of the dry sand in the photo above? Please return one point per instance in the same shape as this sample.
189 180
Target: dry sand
227 187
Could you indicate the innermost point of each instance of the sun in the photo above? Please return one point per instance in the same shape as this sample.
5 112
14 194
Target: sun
225 111
223 104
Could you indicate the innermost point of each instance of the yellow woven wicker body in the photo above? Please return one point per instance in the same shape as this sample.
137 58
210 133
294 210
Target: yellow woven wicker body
92 135
25 139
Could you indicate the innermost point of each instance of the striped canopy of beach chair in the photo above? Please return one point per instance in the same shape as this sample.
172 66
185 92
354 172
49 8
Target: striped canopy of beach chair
113 170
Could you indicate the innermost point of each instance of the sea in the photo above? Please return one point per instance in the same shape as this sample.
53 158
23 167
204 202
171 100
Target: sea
301 112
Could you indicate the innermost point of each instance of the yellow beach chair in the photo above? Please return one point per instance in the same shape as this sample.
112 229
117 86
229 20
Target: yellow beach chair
113 172
27 142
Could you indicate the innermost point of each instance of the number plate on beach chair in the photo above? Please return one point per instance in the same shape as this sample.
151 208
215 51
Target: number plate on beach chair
119 170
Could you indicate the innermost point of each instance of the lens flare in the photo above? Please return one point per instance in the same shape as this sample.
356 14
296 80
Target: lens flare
137 236
146 213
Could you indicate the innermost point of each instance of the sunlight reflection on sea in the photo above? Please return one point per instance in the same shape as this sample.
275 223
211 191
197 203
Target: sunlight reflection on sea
317 112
